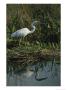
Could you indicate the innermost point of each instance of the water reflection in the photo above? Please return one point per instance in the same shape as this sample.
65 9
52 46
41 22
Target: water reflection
44 73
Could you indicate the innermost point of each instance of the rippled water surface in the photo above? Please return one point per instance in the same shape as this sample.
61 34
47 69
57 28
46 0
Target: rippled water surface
45 73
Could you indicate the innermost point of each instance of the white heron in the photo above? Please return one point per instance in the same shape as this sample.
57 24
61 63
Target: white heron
24 31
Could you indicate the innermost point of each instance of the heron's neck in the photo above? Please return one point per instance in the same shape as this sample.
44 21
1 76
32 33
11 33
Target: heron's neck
33 29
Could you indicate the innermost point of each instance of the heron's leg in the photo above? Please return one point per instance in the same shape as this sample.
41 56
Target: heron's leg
20 41
24 42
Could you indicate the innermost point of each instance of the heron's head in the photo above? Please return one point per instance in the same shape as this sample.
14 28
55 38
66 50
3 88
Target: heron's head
35 22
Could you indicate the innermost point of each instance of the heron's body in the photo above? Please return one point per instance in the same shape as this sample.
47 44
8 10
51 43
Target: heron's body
24 31
21 33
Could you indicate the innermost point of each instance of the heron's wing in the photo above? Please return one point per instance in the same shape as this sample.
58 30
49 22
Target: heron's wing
21 33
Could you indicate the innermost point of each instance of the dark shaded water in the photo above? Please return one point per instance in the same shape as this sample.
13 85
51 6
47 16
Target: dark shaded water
44 73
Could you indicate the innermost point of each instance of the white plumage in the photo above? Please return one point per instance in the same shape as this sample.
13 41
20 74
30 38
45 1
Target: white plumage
24 31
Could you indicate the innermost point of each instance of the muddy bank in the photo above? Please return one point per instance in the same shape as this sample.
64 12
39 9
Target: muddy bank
31 57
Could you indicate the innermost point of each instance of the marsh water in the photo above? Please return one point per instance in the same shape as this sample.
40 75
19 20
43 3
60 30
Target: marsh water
43 73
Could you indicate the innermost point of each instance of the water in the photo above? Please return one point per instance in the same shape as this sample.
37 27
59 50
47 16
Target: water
44 73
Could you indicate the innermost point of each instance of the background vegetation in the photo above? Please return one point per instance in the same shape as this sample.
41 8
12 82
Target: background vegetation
20 16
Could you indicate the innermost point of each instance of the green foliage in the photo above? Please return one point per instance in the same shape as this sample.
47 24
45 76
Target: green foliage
19 16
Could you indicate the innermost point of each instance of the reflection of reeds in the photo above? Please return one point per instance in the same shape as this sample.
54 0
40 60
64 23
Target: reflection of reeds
36 69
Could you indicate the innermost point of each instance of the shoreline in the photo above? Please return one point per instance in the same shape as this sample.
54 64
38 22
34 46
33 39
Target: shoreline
31 57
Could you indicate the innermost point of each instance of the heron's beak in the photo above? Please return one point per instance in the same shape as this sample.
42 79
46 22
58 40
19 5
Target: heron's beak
36 21
39 22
